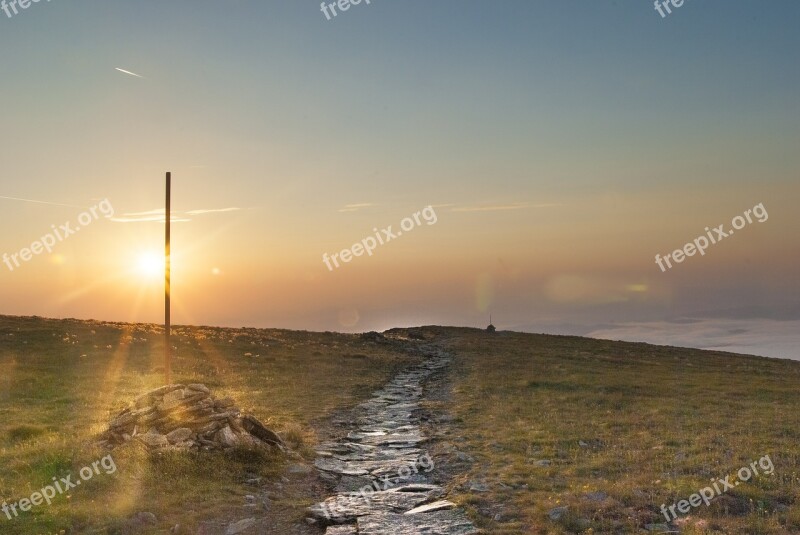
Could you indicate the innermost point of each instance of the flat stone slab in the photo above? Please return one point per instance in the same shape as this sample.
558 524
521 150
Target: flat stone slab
400 466
349 484
328 449
404 406
388 454
441 505
329 464
341 530
452 522
386 440
346 508
390 427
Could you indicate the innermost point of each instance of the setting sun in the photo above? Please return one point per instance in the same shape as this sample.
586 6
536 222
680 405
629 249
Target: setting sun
150 264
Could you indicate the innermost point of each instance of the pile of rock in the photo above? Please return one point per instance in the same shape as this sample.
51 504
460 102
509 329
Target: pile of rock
187 417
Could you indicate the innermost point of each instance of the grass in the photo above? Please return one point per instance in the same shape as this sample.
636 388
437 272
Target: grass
609 430
63 380
551 419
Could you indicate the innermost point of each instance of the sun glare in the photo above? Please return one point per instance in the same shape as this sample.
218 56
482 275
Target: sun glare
151 265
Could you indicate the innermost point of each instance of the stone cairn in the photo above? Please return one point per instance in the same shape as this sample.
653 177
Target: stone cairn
187 417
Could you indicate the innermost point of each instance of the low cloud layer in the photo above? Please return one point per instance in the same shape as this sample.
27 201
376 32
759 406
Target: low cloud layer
763 337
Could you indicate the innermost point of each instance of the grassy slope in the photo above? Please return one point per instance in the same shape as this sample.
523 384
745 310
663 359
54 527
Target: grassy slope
659 424
61 381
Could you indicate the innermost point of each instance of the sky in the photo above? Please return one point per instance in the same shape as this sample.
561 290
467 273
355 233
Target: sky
561 146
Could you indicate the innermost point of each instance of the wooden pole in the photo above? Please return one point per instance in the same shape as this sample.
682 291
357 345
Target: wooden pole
167 345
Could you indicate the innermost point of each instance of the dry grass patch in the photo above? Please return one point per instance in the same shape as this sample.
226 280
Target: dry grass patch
64 380
613 430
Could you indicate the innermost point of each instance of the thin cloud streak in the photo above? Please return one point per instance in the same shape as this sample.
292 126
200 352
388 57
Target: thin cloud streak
161 219
158 211
213 211
489 208
39 202
356 207
158 215
129 72
501 207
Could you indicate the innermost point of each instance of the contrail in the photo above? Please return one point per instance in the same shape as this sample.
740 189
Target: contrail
129 72
39 202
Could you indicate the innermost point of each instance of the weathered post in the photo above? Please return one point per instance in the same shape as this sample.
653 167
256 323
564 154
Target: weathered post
167 345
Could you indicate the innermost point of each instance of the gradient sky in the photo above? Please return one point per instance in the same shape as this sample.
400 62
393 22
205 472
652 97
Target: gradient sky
563 144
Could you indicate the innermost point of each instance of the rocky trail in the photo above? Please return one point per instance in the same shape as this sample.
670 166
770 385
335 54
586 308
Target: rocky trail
380 470
380 473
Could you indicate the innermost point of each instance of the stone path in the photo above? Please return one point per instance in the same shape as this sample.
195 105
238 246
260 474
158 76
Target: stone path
381 470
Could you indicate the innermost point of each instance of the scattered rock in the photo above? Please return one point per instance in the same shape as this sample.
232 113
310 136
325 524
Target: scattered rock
556 514
342 530
594 443
258 430
373 336
154 439
144 519
477 486
171 398
199 388
187 417
227 437
440 505
660 528
240 526
299 469
181 434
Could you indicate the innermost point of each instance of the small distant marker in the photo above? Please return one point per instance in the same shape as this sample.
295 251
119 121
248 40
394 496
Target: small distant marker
128 72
